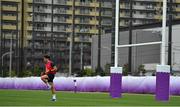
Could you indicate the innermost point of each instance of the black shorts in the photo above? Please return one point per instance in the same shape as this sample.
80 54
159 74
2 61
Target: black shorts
50 77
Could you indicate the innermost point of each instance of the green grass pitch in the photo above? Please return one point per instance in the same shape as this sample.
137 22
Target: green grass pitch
42 98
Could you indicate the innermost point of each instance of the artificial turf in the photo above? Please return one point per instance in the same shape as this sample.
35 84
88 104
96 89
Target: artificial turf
42 98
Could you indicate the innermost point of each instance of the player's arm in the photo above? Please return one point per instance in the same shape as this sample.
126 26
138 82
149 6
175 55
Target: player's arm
54 69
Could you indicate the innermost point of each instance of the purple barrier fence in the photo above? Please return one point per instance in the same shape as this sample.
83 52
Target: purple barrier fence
91 84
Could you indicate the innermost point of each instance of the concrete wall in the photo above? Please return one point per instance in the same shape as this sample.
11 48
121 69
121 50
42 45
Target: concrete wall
142 54
175 47
105 50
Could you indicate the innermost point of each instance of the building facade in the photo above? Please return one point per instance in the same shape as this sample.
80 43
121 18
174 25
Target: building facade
145 11
56 22
9 30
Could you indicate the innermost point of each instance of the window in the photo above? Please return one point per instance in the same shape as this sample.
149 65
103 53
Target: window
61 1
84 20
84 11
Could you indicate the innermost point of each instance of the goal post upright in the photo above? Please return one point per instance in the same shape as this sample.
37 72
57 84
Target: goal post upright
116 33
116 72
163 70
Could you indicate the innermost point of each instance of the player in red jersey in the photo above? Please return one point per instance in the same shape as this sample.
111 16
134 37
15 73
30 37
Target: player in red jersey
48 76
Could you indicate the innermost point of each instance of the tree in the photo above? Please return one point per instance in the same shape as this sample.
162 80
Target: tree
37 70
125 69
88 72
141 69
107 69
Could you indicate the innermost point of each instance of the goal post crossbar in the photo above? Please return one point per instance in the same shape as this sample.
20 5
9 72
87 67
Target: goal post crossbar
139 44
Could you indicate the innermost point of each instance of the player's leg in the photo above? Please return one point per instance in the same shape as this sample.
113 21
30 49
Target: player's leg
45 78
50 81
53 91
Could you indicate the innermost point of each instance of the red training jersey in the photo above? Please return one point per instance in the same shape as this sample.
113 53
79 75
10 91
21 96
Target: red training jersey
49 67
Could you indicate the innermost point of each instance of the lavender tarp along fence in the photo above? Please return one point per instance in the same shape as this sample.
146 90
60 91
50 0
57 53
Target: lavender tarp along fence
91 84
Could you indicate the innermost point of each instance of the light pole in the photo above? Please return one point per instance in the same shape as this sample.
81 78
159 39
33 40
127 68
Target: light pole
71 47
10 57
170 33
130 38
99 40
2 61
82 54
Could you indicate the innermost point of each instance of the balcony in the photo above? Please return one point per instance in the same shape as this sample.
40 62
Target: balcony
29 9
77 39
107 5
9 27
9 18
82 21
94 4
59 30
77 21
42 1
122 14
68 20
9 8
82 4
177 9
68 30
177 1
177 17
43 10
29 18
94 13
61 2
69 11
87 13
106 23
12 0
60 11
122 6
29 37
40 29
87 4
93 31
106 14
158 17
93 22
79 12
69 3
29 28
29 1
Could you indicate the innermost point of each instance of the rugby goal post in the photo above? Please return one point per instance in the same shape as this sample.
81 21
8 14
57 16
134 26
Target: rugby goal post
162 70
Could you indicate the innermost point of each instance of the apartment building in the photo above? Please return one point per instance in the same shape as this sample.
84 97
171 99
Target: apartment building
56 21
9 30
145 11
